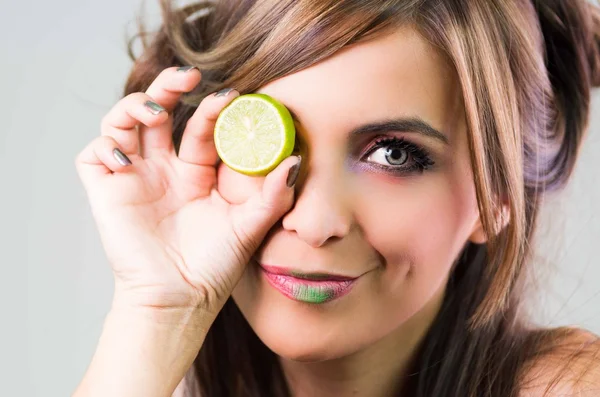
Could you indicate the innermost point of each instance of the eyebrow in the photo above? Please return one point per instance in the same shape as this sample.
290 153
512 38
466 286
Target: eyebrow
409 124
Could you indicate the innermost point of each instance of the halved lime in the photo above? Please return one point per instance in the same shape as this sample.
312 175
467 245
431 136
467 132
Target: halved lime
254 133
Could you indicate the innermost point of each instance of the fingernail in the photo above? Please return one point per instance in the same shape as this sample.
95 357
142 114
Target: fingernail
186 68
121 157
154 107
293 173
224 92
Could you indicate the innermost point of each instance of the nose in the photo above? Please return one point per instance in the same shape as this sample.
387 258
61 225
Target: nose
321 210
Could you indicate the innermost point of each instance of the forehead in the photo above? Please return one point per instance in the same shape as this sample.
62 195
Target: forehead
399 74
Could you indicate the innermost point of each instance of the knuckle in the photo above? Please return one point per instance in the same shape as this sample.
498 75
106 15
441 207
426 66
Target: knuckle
105 122
268 205
102 141
165 72
190 125
99 140
210 110
122 107
204 101
137 98
131 100
163 76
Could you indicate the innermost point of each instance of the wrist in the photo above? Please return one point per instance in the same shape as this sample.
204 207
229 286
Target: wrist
144 351
149 294
191 319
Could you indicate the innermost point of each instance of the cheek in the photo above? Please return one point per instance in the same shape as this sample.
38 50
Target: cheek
234 187
417 225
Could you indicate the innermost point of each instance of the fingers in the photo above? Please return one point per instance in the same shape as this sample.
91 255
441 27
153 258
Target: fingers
253 219
168 86
100 157
197 143
166 90
121 121
138 121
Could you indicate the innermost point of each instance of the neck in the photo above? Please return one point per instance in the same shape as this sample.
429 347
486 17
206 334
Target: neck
377 370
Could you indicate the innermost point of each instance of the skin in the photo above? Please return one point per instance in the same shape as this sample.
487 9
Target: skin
174 269
400 232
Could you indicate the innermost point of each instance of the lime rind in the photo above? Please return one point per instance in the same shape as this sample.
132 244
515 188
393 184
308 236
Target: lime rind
254 133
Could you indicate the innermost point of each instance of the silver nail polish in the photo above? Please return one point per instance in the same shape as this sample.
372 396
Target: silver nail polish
121 157
154 107
186 68
224 92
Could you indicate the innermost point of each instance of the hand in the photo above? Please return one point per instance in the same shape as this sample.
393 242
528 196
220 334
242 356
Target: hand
171 239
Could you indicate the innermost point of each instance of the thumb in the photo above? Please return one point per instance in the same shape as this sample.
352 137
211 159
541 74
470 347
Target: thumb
253 219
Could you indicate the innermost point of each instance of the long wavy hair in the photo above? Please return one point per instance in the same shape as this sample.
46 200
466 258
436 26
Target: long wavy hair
526 68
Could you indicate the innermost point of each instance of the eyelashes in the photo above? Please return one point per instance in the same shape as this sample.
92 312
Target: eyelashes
388 154
398 156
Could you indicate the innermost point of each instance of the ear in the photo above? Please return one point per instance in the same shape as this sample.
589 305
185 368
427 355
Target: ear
502 217
478 235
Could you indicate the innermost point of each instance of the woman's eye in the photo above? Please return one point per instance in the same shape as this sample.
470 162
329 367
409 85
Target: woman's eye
389 155
398 156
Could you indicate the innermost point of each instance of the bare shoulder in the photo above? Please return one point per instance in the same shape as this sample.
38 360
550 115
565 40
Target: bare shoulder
566 363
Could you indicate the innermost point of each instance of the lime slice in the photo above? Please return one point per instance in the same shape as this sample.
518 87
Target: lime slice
254 133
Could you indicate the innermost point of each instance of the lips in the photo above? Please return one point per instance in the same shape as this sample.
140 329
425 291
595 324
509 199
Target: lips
314 288
307 276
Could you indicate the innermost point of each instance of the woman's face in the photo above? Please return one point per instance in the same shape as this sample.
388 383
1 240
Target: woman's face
391 206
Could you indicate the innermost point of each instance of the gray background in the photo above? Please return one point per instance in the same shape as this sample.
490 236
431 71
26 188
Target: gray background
63 65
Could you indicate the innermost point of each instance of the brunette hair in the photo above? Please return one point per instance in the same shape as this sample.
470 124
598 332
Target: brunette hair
526 68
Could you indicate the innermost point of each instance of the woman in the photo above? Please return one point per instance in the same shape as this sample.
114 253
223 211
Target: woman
427 134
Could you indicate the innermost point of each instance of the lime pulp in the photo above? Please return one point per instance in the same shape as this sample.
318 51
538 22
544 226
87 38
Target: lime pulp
254 133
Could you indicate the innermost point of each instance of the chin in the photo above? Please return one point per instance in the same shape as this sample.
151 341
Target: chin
297 332
308 349
308 332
